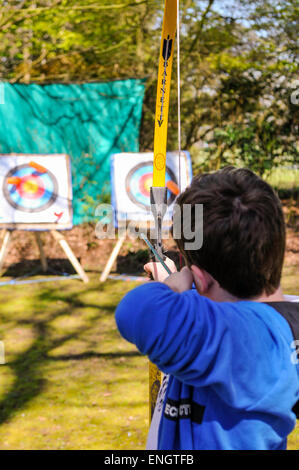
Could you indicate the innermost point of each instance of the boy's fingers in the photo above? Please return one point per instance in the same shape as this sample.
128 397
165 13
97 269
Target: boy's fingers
151 269
147 270
153 265
171 265
148 267
188 276
187 272
156 270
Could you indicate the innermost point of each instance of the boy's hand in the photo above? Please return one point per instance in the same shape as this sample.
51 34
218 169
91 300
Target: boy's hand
180 281
157 271
177 281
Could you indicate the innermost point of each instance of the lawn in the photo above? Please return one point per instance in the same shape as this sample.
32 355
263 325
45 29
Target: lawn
70 381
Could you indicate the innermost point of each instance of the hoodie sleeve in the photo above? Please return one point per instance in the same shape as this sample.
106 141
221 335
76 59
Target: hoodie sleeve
229 346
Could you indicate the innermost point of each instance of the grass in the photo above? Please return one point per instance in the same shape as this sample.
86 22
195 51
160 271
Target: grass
70 381
284 178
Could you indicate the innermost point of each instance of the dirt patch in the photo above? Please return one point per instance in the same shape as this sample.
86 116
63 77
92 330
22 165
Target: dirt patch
23 254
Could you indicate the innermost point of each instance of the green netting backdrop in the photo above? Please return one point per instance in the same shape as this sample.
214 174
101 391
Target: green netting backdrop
89 122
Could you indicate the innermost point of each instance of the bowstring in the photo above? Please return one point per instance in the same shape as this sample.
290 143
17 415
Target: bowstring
179 104
179 90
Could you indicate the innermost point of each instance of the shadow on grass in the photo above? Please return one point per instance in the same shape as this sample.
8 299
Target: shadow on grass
31 266
28 366
92 354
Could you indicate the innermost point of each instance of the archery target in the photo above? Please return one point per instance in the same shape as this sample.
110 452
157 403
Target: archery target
139 181
32 190
36 191
131 180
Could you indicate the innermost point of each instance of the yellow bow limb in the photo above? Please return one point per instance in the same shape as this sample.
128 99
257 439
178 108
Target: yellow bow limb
163 91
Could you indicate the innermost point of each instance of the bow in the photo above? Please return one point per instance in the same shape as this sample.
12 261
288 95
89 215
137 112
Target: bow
158 193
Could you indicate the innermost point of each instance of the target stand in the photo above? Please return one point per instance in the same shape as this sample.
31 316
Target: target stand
138 183
58 237
131 180
37 196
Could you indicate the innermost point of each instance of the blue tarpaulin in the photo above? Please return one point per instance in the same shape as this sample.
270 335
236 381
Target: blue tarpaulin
89 122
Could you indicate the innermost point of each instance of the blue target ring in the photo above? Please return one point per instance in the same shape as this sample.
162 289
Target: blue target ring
34 191
140 179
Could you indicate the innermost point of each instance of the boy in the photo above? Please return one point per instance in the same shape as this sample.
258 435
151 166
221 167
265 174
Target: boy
228 347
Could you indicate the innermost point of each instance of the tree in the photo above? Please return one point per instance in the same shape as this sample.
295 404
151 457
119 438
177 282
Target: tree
47 41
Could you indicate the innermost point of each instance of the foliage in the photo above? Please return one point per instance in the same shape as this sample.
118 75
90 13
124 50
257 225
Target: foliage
239 62
236 101
72 40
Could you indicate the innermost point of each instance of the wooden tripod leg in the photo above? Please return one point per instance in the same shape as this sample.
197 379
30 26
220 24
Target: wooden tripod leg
3 232
43 259
112 258
69 253
6 239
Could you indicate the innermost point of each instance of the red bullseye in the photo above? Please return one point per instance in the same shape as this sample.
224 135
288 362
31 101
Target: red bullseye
31 187
145 183
139 181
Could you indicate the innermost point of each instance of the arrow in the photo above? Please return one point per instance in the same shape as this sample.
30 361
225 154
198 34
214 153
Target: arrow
38 167
173 187
13 180
58 215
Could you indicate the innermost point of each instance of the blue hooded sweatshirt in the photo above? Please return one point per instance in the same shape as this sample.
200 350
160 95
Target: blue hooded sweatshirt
233 367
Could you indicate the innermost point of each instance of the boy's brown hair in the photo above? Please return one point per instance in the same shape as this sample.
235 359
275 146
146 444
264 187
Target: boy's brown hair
243 231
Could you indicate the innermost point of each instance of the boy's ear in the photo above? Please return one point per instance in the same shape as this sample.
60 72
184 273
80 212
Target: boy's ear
201 279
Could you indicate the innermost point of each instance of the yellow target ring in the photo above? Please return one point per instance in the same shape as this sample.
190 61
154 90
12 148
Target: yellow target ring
30 186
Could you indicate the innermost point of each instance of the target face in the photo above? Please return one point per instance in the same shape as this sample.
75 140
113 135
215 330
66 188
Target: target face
139 181
131 181
30 189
